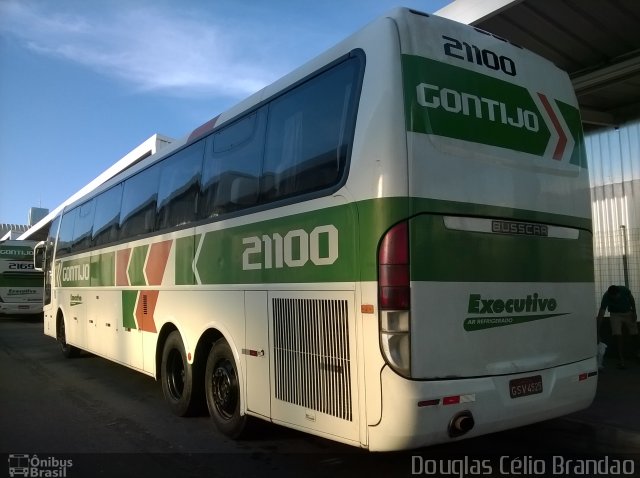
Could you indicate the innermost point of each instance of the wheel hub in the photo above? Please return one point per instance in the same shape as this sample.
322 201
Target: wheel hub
224 386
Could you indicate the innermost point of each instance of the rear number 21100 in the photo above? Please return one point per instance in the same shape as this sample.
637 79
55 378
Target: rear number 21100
473 54
295 249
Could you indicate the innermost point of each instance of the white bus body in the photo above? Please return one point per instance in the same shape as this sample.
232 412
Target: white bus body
389 247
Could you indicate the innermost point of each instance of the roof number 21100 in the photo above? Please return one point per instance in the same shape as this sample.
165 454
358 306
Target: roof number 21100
471 53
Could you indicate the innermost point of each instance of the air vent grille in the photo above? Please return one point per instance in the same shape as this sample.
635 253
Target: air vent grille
312 357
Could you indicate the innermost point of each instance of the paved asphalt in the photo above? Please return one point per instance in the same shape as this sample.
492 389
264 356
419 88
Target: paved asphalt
116 424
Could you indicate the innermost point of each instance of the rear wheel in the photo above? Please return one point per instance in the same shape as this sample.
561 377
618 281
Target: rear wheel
180 380
222 390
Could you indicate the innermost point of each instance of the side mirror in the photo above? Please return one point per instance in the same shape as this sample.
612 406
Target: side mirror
39 255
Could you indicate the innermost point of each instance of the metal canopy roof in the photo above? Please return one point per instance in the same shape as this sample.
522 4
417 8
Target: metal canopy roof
596 41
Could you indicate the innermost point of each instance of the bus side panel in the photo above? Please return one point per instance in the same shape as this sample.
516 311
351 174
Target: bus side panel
71 303
193 312
256 353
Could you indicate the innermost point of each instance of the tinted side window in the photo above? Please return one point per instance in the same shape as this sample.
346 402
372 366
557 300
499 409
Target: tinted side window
83 227
232 166
138 213
180 187
107 216
309 133
65 236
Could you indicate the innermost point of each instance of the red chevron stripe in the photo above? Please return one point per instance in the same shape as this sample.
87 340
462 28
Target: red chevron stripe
562 137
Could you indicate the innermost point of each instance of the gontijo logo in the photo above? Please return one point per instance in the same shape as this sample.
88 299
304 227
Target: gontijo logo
492 312
467 104
16 251
442 99
77 272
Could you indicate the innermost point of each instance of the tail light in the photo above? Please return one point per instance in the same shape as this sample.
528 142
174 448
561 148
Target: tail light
394 296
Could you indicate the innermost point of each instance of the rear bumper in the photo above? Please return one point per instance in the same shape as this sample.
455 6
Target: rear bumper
405 424
20 309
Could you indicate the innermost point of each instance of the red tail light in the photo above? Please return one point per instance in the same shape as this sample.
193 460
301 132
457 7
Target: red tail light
393 269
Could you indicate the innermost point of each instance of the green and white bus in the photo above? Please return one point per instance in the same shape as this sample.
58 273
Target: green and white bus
389 247
20 282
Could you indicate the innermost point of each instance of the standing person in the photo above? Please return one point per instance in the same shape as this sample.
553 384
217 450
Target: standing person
622 309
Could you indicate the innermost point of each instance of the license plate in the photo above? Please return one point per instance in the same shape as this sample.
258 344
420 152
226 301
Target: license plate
521 387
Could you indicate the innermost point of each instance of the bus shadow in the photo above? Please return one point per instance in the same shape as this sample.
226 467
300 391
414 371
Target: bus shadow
29 318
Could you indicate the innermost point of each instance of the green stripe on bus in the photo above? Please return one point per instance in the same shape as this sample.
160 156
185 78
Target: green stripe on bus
185 252
340 244
136 265
270 251
378 215
129 298
21 280
103 269
441 254
287 249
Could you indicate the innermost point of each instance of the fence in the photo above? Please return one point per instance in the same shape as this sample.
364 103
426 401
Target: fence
614 169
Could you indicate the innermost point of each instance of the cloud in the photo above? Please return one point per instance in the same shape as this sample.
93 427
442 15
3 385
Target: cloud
148 47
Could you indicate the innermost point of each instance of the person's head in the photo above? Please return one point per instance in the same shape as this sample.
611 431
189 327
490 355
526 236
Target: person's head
613 290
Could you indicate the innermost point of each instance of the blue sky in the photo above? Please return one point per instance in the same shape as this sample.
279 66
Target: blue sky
82 83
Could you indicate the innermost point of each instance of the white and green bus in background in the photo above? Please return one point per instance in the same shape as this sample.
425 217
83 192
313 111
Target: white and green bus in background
389 247
20 282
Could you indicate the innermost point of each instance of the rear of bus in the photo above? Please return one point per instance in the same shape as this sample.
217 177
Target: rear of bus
485 287
20 283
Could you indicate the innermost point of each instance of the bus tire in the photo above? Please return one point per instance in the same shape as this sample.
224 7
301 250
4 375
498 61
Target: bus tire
179 379
222 390
68 351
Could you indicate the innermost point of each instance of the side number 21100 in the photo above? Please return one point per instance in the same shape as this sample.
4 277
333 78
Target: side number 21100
295 249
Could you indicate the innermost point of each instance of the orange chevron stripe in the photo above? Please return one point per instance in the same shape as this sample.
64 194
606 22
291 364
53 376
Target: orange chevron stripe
122 262
157 262
145 309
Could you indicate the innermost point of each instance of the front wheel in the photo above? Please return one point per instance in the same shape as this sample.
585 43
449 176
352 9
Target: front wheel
222 390
69 351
